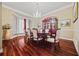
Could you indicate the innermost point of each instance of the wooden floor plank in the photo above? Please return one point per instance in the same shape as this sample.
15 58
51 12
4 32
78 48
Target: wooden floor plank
17 47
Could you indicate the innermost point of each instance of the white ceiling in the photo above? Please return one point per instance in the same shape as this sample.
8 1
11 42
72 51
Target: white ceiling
30 7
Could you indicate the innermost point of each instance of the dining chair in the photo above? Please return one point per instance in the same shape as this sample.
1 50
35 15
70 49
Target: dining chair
26 37
35 36
54 39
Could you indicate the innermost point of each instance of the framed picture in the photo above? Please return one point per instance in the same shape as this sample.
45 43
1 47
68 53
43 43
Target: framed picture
75 11
65 23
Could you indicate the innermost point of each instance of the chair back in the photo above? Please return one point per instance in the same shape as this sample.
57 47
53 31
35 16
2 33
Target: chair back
53 38
34 31
46 30
40 31
57 34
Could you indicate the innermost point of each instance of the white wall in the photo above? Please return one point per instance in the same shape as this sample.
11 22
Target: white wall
8 17
76 35
0 28
35 22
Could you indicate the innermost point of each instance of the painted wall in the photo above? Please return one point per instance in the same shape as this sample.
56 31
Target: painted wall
35 22
76 34
0 28
8 17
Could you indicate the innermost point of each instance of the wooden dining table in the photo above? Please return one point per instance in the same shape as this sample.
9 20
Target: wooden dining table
43 36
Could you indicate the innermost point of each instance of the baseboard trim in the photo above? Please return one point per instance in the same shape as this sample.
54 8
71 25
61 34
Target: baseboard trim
66 38
16 35
76 46
1 50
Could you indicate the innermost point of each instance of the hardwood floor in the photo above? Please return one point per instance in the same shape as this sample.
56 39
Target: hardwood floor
17 47
1 54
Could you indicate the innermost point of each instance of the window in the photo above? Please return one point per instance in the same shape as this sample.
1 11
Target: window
20 25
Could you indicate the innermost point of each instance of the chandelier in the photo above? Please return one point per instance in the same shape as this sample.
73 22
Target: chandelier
37 13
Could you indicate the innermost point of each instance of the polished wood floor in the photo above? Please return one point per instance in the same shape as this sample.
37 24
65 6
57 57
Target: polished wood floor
17 47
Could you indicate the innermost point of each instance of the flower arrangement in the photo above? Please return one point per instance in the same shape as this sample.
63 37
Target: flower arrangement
7 26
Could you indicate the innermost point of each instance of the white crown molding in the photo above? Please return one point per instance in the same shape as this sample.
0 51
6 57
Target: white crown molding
57 10
1 50
17 11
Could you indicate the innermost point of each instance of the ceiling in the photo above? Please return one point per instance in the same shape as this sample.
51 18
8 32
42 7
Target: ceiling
31 7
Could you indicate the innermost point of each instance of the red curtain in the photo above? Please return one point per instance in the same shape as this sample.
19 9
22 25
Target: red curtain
24 25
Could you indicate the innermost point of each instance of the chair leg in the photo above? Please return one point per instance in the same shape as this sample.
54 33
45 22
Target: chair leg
54 43
58 45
